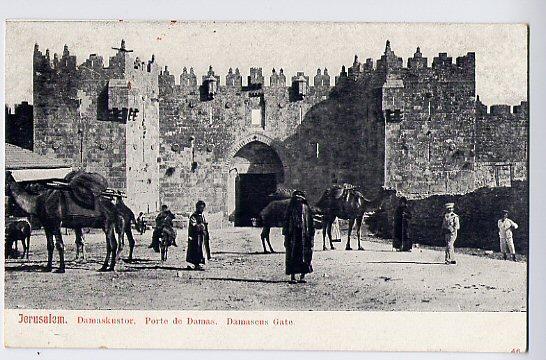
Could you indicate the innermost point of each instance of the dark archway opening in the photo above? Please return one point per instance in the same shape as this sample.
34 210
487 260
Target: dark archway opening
259 171
251 192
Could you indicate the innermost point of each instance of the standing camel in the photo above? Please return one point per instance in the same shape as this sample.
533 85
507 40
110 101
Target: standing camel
273 215
55 208
15 231
128 218
344 203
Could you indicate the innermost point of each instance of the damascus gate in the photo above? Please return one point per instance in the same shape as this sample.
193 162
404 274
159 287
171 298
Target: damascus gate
415 126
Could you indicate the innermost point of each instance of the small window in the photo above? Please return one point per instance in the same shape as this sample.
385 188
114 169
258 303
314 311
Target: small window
256 117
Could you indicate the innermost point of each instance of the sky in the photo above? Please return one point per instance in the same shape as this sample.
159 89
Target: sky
501 49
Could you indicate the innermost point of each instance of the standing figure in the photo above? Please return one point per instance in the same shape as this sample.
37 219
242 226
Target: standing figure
402 239
450 226
336 232
197 233
159 223
141 223
505 234
299 233
168 236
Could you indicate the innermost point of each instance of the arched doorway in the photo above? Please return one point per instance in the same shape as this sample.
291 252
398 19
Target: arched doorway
256 170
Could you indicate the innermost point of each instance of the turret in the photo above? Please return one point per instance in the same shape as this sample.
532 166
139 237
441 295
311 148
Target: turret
300 85
389 61
417 61
210 84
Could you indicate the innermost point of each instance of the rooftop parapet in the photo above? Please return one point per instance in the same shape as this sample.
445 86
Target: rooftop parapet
442 60
343 76
502 110
94 62
277 79
188 79
522 108
43 62
166 78
255 78
321 79
389 60
234 79
67 63
417 61
499 109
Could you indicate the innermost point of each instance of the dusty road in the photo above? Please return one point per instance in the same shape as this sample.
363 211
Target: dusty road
241 278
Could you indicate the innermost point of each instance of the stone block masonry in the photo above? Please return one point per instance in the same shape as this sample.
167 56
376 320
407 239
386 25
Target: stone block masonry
419 129
101 119
478 211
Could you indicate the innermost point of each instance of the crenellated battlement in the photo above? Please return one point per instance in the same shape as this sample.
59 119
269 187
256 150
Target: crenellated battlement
188 79
498 111
93 67
390 62
414 124
234 78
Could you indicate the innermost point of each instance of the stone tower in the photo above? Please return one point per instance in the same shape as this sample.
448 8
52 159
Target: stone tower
102 119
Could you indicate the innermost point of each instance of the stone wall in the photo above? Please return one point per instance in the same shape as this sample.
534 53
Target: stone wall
501 144
430 126
202 134
20 126
85 114
417 129
478 210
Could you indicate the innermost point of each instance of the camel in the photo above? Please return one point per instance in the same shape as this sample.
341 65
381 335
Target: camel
56 207
272 216
15 231
274 213
128 219
344 202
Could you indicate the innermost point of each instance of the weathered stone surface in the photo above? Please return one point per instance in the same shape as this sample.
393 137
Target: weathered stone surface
419 130
102 119
478 211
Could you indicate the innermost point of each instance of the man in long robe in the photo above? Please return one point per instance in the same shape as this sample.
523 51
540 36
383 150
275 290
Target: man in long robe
197 233
299 233
402 240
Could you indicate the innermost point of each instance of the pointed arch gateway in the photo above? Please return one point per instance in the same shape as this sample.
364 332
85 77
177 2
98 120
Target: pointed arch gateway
256 168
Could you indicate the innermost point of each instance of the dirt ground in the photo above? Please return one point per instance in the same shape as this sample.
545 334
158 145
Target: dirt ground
240 277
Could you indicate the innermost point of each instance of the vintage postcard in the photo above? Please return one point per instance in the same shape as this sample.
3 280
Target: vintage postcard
262 185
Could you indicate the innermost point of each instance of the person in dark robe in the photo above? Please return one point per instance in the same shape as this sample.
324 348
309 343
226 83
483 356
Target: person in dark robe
299 233
163 215
168 231
197 233
402 239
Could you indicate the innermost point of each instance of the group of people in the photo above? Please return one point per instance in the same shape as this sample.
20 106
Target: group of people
198 234
298 231
450 227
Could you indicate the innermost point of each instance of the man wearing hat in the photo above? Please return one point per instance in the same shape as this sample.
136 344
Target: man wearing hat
450 226
505 234
299 233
